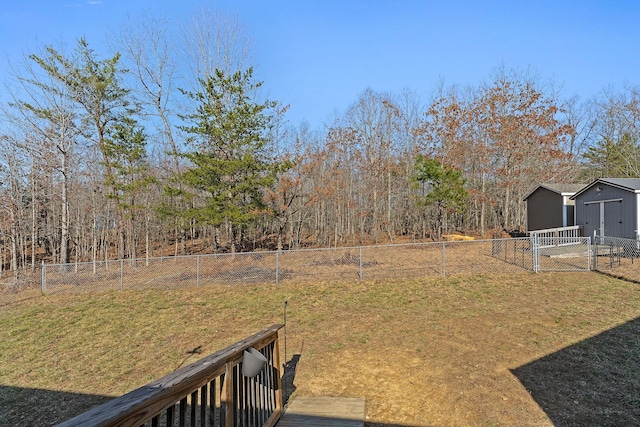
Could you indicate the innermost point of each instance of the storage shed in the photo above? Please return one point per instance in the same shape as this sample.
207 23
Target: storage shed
609 206
550 206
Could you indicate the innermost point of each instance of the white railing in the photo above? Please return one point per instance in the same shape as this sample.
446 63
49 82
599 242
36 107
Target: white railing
561 236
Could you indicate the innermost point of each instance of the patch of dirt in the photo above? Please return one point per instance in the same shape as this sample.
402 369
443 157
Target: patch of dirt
514 354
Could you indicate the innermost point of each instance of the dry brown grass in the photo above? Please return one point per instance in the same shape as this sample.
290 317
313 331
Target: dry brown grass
518 349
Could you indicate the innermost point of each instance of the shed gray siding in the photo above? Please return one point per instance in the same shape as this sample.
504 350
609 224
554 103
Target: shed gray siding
544 210
611 211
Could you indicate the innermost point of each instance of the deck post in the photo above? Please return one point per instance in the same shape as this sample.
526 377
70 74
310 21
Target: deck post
278 370
226 397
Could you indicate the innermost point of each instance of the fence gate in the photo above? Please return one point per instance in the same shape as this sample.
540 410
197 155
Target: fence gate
561 253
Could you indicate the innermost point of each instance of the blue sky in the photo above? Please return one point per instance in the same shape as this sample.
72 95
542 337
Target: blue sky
319 56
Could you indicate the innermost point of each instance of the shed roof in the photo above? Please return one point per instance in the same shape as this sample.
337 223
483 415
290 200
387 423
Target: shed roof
628 184
564 189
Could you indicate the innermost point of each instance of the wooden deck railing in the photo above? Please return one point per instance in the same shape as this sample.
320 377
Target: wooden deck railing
209 392
561 236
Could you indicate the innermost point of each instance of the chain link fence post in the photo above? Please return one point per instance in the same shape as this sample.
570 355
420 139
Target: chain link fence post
121 274
595 251
534 250
444 261
589 252
197 271
43 279
278 270
360 272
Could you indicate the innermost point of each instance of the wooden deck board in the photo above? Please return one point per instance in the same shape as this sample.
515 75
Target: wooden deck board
324 411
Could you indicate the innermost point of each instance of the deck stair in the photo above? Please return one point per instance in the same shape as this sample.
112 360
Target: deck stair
324 412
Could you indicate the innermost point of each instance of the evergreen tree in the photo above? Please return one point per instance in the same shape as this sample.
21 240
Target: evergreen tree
228 152
443 188
613 158
126 150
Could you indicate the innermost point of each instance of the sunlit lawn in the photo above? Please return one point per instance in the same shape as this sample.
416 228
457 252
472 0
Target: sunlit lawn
432 352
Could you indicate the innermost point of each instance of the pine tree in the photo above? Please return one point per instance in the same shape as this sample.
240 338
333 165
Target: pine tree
228 152
443 188
613 158
98 101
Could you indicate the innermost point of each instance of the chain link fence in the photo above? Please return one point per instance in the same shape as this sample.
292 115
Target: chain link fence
18 285
565 254
352 264
618 257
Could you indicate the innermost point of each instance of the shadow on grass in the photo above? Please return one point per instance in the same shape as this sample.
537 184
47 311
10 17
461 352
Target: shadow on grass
593 382
288 378
38 407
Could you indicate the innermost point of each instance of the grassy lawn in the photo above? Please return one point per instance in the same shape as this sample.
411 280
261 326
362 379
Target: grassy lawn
528 349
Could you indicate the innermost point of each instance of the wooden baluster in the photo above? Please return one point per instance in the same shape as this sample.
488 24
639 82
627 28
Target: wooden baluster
170 416
203 405
182 418
194 408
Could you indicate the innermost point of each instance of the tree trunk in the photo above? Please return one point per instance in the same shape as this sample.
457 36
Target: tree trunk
34 224
506 209
483 205
94 241
64 214
14 242
390 230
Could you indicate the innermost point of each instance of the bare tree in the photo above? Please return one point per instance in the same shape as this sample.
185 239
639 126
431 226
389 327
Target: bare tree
578 115
14 186
614 148
213 40
42 106
375 120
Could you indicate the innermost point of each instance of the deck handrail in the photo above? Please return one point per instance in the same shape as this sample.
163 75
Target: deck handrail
211 391
559 236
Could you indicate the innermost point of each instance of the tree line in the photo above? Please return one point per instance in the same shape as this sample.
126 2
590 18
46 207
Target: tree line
168 146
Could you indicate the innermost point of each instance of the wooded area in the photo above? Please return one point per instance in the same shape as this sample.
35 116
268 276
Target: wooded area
168 146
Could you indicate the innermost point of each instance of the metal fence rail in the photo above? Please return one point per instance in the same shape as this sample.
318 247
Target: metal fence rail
351 264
